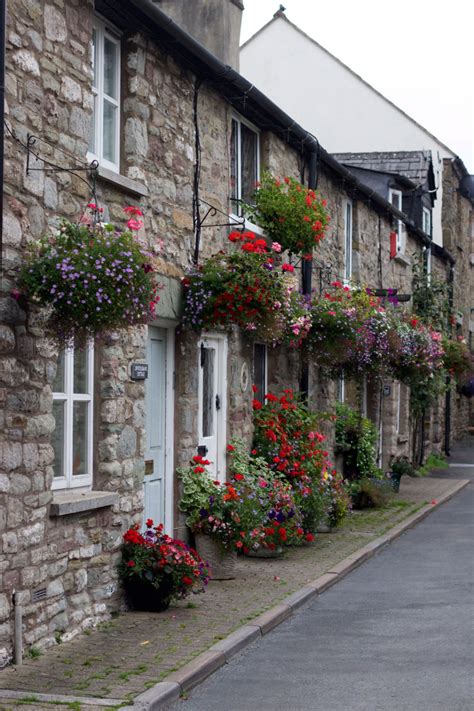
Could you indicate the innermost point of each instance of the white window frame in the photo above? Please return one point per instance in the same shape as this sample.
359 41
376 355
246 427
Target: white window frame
68 397
348 232
236 212
341 389
427 221
399 226
104 30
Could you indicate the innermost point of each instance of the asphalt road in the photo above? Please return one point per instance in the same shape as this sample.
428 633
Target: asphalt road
397 634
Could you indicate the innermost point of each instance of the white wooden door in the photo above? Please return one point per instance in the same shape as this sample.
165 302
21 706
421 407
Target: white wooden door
212 398
155 423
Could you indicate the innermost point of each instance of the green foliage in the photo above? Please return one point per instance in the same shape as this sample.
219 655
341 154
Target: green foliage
90 278
430 296
457 359
433 461
401 466
292 215
370 493
356 437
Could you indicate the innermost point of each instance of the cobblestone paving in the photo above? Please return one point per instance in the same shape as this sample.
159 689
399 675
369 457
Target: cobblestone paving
131 653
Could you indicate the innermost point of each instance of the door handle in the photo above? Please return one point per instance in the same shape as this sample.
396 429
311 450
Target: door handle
218 402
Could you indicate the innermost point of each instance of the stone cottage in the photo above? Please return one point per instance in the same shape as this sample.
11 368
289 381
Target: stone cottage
117 101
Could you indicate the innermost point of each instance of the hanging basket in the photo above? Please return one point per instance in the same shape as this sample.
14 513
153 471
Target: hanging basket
222 563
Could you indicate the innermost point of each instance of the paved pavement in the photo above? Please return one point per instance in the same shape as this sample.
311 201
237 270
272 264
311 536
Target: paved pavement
397 634
136 651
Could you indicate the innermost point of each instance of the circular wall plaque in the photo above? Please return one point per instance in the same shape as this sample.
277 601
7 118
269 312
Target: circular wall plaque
244 377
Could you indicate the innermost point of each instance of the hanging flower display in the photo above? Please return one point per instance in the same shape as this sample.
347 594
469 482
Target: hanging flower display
91 277
416 351
248 288
349 331
292 215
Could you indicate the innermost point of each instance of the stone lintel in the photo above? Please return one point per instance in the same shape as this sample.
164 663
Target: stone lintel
70 502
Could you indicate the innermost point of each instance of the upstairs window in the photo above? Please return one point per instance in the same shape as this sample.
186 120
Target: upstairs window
427 221
395 198
104 142
72 410
348 241
244 163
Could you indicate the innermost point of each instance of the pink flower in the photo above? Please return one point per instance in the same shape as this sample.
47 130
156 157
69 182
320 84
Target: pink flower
276 246
134 224
130 210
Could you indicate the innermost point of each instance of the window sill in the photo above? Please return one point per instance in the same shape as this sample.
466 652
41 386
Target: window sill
70 502
247 225
402 259
121 181
402 439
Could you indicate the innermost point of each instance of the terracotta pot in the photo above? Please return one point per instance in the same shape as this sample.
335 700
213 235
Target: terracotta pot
221 562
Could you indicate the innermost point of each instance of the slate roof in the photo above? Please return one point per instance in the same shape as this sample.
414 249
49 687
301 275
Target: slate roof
414 165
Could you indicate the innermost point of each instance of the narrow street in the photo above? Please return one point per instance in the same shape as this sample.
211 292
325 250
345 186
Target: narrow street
395 635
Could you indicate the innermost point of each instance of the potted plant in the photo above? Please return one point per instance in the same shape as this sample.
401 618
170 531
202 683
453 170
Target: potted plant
209 507
90 278
399 466
247 288
156 568
289 213
266 512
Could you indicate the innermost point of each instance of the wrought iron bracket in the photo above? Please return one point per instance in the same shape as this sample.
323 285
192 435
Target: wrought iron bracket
212 211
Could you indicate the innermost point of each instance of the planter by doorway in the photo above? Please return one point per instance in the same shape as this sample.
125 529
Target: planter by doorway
221 562
144 597
262 552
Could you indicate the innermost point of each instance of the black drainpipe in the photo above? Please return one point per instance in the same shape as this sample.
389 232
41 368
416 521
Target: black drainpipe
2 113
307 270
447 409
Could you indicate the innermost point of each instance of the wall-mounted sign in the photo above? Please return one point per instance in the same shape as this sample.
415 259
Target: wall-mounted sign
139 371
244 377
387 389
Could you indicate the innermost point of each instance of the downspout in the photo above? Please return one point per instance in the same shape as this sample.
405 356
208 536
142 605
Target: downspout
3 8
307 270
447 408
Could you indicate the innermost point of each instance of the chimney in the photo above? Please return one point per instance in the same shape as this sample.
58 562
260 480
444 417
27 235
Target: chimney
213 23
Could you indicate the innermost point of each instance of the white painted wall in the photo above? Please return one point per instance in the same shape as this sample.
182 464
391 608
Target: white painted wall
333 103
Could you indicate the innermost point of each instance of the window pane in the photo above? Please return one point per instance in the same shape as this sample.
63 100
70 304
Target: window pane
259 367
94 57
58 384
396 200
92 132
58 438
208 394
110 68
80 426
110 120
234 165
249 161
80 371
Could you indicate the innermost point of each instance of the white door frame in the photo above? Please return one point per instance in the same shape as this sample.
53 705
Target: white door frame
221 414
169 326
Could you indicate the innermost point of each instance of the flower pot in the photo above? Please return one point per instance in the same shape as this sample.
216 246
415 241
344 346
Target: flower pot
262 552
221 562
395 481
144 597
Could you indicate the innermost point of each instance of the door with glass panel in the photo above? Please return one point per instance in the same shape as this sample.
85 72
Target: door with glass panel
212 399
72 410
155 405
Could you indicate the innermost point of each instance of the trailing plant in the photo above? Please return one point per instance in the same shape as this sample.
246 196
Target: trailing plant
289 213
91 278
161 562
247 288
457 359
349 331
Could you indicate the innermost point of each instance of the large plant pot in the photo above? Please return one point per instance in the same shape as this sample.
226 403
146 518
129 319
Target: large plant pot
395 481
262 552
221 562
144 597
